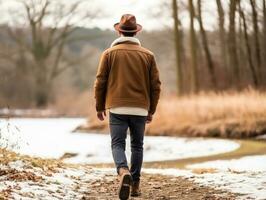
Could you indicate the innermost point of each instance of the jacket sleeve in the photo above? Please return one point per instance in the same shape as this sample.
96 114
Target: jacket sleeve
100 85
155 86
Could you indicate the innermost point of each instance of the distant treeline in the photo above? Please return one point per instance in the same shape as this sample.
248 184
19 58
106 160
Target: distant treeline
238 58
38 63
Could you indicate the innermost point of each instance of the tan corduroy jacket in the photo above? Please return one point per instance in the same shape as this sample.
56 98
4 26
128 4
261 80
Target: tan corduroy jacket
127 76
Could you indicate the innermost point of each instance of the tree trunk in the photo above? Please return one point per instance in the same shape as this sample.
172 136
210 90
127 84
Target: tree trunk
193 51
264 34
256 34
42 94
251 65
222 36
42 84
206 47
177 48
232 49
183 58
243 62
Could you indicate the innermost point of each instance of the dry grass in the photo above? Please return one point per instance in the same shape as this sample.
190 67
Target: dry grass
7 156
72 103
204 171
235 115
213 114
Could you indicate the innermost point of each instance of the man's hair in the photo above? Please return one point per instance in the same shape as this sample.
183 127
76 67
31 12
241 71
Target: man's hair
128 34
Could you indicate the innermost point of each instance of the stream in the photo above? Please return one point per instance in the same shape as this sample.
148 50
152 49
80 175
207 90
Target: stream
53 138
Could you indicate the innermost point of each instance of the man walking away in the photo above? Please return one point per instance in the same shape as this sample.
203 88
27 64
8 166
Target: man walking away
127 83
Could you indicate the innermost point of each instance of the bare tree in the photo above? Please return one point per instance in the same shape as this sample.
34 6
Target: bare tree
222 35
232 45
248 48
206 46
193 51
256 33
177 46
241 47
264 32
46 44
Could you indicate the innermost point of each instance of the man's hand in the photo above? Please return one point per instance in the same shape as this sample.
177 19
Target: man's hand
101 115
149 118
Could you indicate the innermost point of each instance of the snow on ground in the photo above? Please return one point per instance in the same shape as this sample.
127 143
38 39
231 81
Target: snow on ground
70 183
27 112
244 164
262 137
74 183
52 138
245 176
248 185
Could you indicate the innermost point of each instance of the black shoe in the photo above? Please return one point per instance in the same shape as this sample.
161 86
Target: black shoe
124 187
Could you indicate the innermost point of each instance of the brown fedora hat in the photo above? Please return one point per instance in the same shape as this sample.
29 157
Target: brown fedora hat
128 23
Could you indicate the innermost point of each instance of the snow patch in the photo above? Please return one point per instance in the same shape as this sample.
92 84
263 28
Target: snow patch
248 163
262 137
52 138
70 183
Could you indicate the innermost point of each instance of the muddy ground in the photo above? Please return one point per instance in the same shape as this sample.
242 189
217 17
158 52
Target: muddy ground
158 187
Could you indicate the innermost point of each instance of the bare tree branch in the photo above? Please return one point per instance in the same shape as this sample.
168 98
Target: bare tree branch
45 44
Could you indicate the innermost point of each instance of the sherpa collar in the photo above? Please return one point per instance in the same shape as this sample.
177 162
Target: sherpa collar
125 39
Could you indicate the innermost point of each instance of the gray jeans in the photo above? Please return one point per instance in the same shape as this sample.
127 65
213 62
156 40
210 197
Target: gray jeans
119 125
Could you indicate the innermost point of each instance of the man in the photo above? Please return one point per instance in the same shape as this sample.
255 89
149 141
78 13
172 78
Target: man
127 83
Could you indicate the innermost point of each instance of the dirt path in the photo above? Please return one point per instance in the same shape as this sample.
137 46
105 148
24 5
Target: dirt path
161 188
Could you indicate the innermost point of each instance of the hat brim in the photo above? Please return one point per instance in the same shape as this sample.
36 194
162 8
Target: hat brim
117 28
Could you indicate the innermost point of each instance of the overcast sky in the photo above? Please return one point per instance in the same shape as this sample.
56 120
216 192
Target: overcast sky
145 11
149 13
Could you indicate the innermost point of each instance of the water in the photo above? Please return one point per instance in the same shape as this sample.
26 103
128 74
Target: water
53 137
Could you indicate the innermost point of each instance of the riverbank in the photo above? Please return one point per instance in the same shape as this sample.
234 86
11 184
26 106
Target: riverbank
225 115
247 148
